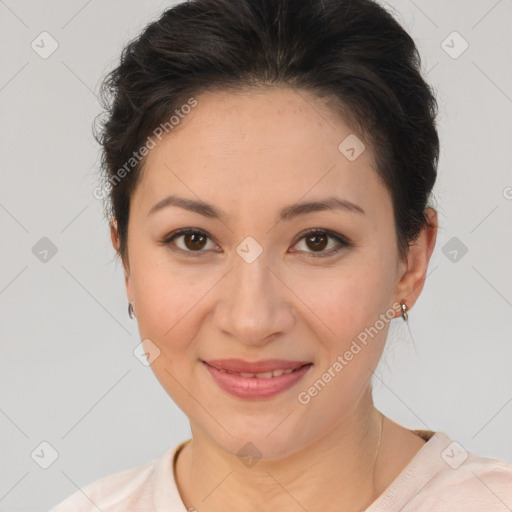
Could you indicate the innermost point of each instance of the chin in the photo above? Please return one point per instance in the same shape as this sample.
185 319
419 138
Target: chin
251 446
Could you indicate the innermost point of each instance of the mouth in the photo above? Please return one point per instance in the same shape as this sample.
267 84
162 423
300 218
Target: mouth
257 385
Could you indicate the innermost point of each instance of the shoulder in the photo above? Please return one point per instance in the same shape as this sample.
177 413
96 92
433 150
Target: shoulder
131 489
476 484
445 477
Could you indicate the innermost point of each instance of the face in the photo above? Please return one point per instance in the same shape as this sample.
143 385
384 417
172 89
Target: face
252 284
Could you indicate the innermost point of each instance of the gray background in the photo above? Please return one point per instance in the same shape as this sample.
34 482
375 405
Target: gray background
68 374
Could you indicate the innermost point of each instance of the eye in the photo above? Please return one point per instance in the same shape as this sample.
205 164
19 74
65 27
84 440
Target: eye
196 240
317 239
193 241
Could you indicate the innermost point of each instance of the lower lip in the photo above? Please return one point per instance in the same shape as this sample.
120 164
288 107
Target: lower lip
254 387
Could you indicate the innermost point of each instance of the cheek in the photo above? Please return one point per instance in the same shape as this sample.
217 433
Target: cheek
352 341
169 314
345 299
163 304
169 301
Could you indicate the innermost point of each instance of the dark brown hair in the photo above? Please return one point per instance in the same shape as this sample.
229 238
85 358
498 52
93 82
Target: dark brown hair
353 53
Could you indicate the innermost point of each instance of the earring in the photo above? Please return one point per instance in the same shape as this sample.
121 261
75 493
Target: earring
404 312
130 310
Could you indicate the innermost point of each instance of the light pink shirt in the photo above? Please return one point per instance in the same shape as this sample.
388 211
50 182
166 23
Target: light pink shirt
441 477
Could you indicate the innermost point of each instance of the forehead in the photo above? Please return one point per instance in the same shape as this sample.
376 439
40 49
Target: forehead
280 145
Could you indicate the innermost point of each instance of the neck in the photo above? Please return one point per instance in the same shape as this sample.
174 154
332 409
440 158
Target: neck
336 472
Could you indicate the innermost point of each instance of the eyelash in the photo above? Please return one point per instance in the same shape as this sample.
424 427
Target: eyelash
343 242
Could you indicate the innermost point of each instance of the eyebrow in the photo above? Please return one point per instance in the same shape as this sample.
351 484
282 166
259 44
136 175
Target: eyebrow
289 212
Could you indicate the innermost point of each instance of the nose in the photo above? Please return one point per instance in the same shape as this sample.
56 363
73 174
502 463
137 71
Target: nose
254 307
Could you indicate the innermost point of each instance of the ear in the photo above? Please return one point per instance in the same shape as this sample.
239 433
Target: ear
116 243
114 236
413 271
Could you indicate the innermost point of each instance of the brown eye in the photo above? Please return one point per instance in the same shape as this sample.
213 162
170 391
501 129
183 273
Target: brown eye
188 241
194 241
317 240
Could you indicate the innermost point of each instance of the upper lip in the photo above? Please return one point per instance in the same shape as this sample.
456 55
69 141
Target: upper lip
267 365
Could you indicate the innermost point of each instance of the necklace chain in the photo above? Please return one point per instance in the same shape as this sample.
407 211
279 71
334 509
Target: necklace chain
378 449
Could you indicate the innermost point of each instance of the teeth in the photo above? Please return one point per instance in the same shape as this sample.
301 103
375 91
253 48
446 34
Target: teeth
264 375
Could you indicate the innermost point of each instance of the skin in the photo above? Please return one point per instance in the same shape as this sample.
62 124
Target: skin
251 154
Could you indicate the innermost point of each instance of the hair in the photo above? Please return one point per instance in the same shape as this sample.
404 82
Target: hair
352 53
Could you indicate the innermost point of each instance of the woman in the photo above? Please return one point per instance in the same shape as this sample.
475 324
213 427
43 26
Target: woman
269 167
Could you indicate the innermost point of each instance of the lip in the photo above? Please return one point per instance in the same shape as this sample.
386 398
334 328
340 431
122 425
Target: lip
255 387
